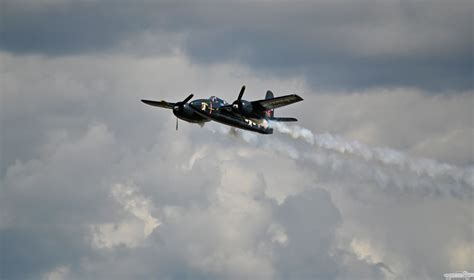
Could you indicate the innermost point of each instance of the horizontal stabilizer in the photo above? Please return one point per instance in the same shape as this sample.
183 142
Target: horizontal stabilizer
162 104
272 103
284 119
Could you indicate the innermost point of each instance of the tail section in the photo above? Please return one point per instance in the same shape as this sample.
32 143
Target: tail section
271 112
269 95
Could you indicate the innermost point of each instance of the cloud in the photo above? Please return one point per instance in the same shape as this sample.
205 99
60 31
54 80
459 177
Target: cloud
130 232
137 205
374 117
89 173
47 204
333 44
58 273
385 156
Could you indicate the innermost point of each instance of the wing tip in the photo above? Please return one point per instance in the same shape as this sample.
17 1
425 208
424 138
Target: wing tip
298 97
148 102
162 104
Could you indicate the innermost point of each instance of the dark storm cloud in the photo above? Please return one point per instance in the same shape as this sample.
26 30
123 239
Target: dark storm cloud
333 44
62 28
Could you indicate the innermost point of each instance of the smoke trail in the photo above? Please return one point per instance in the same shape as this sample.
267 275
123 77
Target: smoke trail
386 156
356 163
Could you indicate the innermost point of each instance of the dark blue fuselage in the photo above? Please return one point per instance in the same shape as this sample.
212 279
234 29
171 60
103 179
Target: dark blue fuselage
220 111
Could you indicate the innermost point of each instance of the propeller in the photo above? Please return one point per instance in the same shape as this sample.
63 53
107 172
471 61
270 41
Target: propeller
237 104
178 106
241 93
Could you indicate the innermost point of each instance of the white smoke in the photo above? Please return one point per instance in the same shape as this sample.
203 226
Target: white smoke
357 162
386 156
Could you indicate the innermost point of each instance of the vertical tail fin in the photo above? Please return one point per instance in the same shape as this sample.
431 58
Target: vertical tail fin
269 95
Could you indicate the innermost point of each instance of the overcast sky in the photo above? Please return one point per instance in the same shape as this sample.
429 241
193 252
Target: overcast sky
375 182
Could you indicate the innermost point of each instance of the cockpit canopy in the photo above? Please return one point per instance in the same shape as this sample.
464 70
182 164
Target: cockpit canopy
217 100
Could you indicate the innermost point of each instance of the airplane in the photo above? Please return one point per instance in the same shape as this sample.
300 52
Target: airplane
249 115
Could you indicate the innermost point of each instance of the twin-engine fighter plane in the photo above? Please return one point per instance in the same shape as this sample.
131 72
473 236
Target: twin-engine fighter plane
248 115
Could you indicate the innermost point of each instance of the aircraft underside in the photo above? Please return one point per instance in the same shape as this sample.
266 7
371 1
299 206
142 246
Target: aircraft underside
228 118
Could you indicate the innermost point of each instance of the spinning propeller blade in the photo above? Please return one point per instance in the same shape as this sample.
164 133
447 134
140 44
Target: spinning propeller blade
241 93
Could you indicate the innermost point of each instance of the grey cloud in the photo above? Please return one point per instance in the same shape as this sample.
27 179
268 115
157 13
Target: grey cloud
65 27
31 251
46 202
332 44
374 117
310 220
411 241
227 213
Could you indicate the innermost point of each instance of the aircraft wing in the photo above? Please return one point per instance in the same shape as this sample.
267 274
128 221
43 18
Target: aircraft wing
162 104
276 102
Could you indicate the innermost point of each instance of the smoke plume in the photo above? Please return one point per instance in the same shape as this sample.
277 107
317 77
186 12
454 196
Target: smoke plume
358 162
386 156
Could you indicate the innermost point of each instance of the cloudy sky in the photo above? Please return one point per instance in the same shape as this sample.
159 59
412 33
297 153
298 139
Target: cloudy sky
375 182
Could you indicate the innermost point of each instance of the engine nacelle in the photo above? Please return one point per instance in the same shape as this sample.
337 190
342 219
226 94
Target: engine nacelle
244 107
186 113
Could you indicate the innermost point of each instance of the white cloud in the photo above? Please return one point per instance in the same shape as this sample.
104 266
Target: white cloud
137 205
129 231
204 203
59 273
